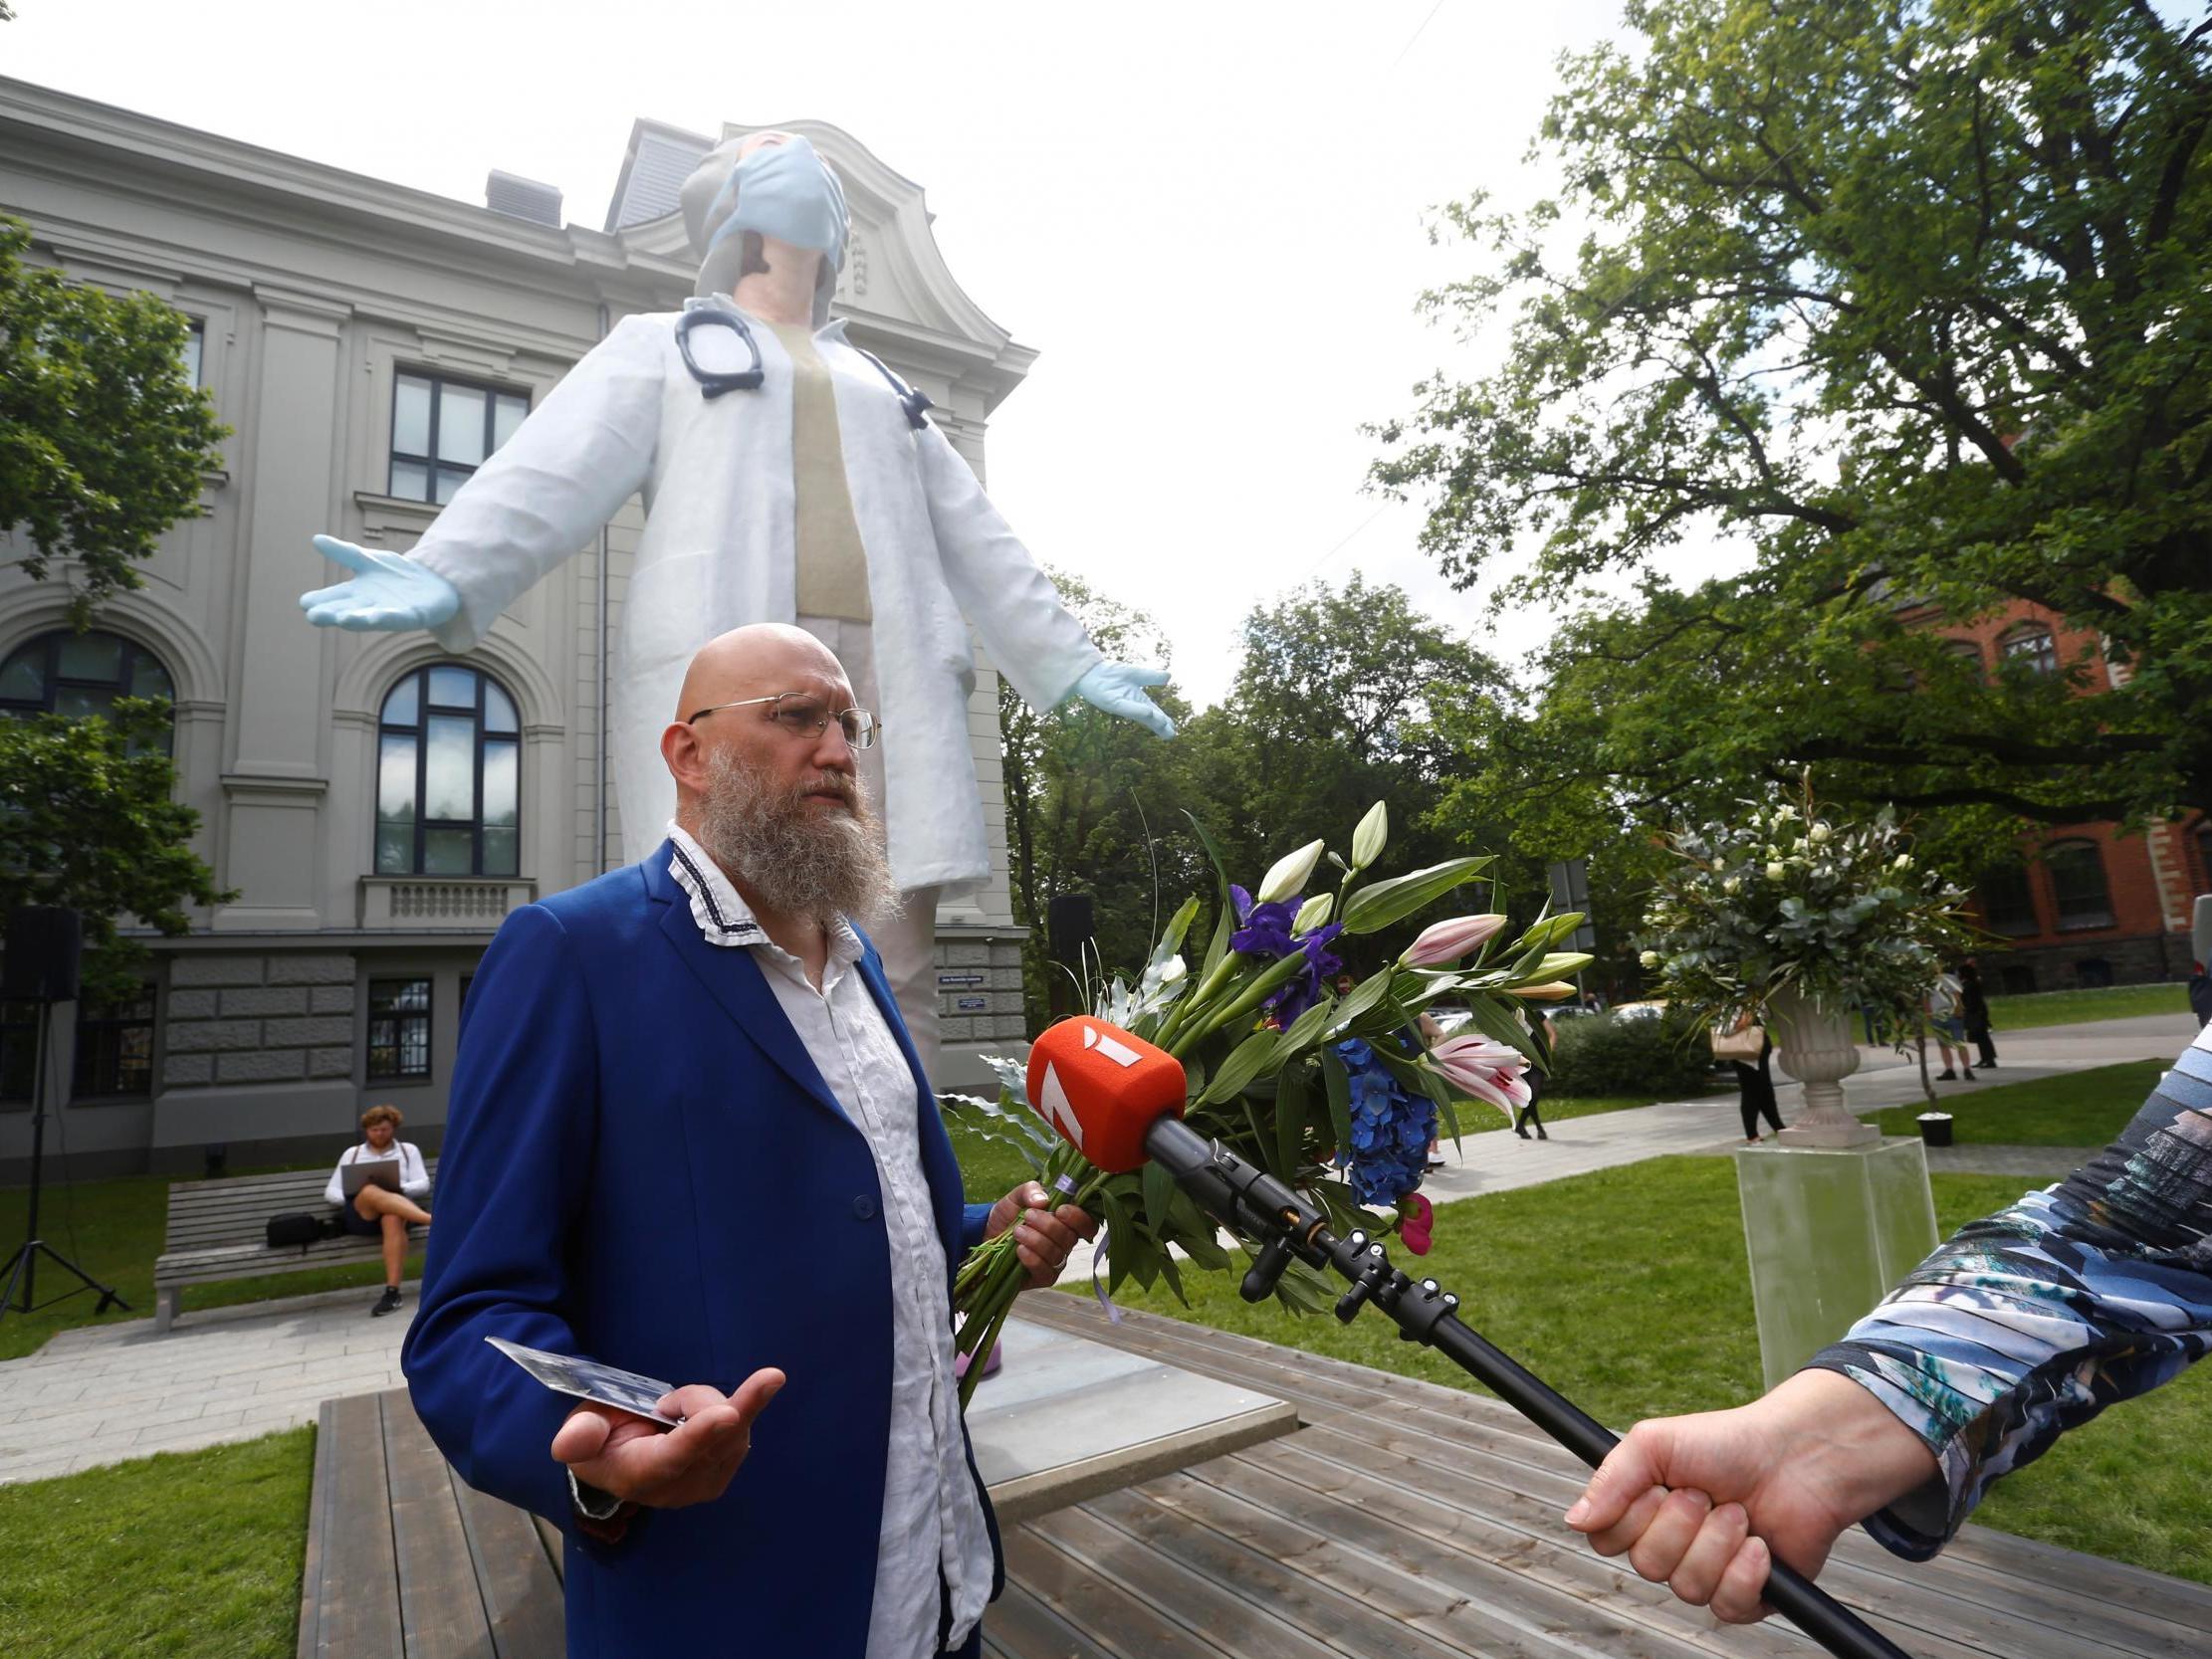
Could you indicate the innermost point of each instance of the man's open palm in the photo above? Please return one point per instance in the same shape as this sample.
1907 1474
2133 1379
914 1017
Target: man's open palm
692 1463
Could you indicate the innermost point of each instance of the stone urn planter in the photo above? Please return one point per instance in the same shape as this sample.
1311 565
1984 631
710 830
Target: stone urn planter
1811 1043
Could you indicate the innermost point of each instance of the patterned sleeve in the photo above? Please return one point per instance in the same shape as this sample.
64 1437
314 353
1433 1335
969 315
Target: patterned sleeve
2032 1321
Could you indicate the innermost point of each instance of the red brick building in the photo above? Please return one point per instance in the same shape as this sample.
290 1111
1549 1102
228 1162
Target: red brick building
2085 906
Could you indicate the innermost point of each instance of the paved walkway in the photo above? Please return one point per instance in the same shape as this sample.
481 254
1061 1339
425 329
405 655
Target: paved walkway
1498 1161
102 1393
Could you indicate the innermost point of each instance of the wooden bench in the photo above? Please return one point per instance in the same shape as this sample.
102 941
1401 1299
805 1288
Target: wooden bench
217 1232
404 1558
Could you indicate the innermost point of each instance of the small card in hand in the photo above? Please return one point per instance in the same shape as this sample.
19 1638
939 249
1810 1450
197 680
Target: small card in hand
587 1380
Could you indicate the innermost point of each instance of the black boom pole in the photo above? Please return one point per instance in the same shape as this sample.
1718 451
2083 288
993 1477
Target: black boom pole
1248 1200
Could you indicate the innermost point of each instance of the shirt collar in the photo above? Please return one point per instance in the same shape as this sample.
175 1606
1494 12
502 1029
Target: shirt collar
722 915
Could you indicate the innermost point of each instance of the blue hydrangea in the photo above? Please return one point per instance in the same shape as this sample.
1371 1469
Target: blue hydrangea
1391 1129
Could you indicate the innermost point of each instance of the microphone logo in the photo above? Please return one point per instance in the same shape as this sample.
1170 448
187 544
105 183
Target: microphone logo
1103 1040
1053 1107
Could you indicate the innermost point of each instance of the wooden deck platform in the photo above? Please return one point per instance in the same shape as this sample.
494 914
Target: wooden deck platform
1401 1518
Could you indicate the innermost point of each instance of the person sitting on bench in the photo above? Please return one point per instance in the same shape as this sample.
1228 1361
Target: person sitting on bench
378 1211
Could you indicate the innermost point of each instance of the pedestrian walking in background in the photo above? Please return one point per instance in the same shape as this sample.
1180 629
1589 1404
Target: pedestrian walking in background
1755 1086
1539 1027
1948 1029
1973 1011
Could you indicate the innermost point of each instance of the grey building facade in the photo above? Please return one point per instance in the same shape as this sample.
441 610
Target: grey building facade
377 804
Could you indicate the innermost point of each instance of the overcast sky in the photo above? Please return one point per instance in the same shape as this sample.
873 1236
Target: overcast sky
1210 219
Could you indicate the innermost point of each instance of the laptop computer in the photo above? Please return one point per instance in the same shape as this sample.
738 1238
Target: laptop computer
383 1172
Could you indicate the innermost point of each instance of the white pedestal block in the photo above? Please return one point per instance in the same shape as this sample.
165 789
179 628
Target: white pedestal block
1829 1231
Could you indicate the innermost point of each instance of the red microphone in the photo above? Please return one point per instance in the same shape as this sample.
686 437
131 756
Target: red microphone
1102 1089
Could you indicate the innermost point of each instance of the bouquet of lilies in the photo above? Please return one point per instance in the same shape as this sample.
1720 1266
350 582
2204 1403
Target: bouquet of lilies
1338 1095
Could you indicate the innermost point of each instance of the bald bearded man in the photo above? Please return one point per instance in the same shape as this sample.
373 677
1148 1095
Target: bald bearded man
690 1137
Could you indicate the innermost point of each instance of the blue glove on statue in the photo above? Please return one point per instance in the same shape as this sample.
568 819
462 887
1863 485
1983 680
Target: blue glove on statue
386 592
1118 689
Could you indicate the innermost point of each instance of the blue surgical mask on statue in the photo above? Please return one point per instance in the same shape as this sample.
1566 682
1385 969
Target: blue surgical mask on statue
785 191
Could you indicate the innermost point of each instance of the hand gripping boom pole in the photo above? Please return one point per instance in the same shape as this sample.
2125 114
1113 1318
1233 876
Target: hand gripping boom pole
1255 1204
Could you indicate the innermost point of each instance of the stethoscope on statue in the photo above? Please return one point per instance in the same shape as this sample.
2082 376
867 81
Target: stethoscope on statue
714 382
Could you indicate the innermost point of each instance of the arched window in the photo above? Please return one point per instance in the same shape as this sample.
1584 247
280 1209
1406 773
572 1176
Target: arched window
2031 647
66 673
2078 882
448 776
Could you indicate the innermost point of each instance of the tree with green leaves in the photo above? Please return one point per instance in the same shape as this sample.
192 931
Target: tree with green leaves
103 440
1339 701
1916 295
91 822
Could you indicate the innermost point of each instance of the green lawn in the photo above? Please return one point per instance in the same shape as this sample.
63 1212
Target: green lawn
2115 1002
1664 1326
193 1554
112 1229
2079 1109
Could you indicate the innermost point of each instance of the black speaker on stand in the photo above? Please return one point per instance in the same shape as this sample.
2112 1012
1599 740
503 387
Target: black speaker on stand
1070 929
44 946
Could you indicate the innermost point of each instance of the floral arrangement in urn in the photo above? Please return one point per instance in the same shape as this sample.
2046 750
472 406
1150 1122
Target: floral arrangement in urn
1790 900
1339 1096
1795 918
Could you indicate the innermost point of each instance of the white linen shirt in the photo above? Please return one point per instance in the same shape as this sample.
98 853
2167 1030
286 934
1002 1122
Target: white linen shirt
932 1519
415 1175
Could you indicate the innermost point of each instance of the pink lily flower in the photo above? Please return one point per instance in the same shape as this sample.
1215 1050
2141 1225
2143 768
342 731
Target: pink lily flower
1447 941
1483 1070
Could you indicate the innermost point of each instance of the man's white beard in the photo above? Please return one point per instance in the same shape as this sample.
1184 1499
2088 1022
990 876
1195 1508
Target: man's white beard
799 857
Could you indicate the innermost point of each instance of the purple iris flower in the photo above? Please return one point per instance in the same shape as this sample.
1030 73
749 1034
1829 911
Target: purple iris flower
1266 927
1303 989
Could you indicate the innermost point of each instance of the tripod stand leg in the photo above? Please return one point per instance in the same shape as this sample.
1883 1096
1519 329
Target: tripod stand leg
16 1264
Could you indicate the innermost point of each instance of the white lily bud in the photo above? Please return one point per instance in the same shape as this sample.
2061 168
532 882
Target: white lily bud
1313 912
1369 839
1290 874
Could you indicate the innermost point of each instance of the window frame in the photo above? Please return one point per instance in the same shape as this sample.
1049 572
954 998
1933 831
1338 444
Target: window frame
419 734
2027 921
90 1027
401 1018
53 679
2014 646
2081 919
430 463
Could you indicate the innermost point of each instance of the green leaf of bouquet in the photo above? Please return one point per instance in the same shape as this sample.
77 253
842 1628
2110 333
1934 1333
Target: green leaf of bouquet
1306 1029
1172 939
1365 995
1214 852
1159 1189
1291 1118
1303 1290
1378 904
1218 948
1245 1062
1166 1264
1336 1083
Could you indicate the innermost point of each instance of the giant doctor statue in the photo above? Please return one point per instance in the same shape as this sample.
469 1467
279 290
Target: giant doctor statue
787 476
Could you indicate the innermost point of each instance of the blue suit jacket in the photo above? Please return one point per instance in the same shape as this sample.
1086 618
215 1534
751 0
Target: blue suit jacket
643 1166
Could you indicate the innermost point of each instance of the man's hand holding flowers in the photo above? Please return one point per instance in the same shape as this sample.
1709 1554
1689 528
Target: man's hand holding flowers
1044 1237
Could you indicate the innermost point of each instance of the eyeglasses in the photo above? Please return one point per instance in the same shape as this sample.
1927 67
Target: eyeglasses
804 714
